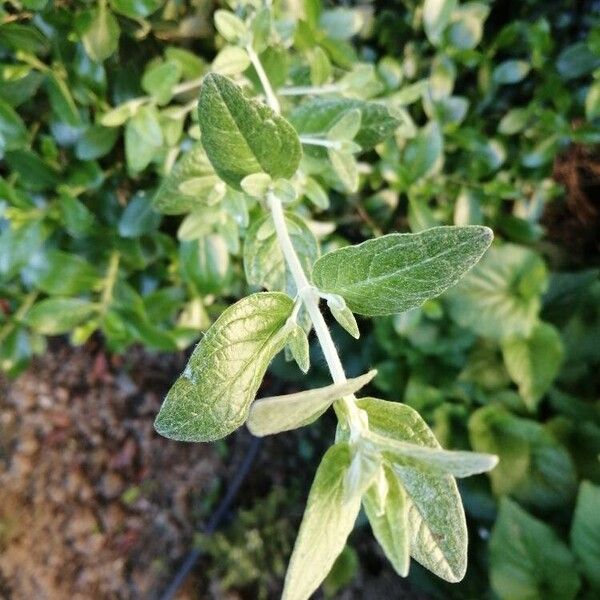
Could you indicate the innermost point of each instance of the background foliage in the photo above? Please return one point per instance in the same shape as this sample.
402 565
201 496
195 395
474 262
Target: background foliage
499 111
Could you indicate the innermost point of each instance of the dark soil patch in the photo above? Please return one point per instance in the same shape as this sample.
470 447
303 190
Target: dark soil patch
573 222
94 503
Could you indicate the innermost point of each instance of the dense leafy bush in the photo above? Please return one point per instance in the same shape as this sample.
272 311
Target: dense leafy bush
112 220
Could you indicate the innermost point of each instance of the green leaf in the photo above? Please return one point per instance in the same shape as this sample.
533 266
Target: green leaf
33 172
12 128
138 218
345 167
61 100
319 116
592 102
585 532
453 462
528 560
205 263
397 272
343 315
169 199
298 345
501 296
143 138
436 16
534 467
231 60
438 531
282 413
59 315
231 27
61 273
134 9
101 38
264 262
212 397
510 71
242 136
328 520
514 121
96 142
576 60
533 362
423 155
389 522
159 80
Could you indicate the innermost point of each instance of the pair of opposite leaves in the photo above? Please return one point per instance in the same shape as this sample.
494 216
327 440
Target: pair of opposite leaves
386 275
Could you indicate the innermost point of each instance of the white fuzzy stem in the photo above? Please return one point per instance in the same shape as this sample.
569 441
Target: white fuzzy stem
306 291
264 80
315 141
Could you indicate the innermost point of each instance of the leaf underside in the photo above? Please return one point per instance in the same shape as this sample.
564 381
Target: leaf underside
213 395
282 413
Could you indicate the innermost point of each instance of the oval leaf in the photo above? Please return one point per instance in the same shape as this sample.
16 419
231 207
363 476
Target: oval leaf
242 136
213 395
400 271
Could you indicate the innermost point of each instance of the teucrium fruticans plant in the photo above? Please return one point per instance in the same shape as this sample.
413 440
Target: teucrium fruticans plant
384 456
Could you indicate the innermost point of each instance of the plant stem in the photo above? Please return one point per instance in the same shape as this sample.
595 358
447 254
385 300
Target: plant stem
315 141
264 80
306 291
310 90
308 294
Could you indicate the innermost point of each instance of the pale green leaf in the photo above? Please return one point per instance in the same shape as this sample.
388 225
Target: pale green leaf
54 316
242 136
436 16
298 345
318 116
527 559
397 272
592 101
230 26
501 296
585 532
143 138
326 525
345 167
212 397
510 71
424 154
169 198
101 38
159 80
264 262
346 127
282 413
256 185
389 521
438 531
343 315
231 61
320 67
534 467
533 362
453 462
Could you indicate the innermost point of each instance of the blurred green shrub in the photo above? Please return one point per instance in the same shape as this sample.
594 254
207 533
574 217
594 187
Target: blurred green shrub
499 110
